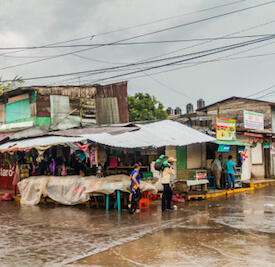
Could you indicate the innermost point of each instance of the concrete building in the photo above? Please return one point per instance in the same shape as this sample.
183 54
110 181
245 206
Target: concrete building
260 159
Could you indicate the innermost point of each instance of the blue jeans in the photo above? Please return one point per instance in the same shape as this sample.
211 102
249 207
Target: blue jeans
231 177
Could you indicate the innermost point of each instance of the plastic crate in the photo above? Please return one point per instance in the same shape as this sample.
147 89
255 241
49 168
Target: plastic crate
147 174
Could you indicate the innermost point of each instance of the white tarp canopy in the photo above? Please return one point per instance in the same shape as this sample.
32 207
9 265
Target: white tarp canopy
72 190
155 134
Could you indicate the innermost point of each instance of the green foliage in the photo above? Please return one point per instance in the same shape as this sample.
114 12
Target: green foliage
143 107
16 82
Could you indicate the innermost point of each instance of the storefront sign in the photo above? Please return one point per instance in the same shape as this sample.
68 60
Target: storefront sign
253 135
201 175
224 148
225 129
253 120
6 176
266 144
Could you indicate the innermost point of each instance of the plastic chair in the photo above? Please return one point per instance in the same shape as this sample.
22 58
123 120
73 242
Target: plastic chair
214 182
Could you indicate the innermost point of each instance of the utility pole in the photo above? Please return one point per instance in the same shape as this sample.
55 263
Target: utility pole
81 110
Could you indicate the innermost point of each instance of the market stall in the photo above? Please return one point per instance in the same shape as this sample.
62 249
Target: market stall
98 153
72 190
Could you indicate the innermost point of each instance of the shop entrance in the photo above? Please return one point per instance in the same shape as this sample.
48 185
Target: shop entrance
267 162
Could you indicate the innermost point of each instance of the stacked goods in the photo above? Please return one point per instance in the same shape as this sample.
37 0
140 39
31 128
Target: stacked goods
161 162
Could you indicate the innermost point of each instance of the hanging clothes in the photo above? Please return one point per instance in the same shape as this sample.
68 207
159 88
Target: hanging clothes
102 157
52 167
96 157
83 147
91 158
16 177
63 170
80 155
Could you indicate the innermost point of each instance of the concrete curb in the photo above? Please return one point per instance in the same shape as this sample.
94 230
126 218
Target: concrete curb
253 186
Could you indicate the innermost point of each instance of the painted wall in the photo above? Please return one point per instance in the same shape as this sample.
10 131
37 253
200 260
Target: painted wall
18 111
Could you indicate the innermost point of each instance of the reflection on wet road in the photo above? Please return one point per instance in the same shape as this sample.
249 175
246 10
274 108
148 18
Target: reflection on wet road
239 230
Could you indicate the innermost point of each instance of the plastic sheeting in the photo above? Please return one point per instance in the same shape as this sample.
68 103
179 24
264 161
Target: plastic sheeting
31 189
72 190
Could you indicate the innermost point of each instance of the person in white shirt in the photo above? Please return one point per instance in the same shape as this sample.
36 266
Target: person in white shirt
216 168
165 176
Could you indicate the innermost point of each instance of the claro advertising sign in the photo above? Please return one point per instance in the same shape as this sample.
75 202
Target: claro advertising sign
225 129
253 120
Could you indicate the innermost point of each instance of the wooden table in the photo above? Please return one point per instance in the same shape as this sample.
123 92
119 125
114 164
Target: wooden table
127 168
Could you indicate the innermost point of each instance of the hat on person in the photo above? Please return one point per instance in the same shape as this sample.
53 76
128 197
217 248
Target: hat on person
171 159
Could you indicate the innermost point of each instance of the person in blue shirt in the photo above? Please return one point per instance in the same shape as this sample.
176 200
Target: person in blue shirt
230 169
240 160
135 176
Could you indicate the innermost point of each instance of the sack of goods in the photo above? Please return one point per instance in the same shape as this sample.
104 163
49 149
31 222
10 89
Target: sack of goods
161 162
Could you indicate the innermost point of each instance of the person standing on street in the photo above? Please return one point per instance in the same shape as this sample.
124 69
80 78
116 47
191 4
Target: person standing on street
240 160
230 169
135 176
165 176
216 168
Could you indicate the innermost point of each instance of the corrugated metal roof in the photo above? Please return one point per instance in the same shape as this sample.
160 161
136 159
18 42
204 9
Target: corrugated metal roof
6 135
40 141
156 134
112 130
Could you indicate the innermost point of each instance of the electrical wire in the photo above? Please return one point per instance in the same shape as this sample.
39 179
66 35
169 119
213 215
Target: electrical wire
191 64
139 43
261 91
134 26
193 55
144 34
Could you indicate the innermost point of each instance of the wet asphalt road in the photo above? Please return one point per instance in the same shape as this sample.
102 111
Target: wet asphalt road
238 230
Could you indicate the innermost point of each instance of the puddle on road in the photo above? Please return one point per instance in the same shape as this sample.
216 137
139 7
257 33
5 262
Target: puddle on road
217 232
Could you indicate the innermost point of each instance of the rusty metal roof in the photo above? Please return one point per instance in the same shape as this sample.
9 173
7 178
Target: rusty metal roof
5 135
112 130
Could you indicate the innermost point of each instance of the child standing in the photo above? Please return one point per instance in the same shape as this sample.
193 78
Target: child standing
133 203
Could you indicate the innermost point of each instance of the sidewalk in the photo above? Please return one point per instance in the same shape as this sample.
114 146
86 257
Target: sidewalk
250 185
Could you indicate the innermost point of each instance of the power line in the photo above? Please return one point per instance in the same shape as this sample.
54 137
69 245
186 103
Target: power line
180 61
144 35
168 87
244 30
137 43
205 53
261 91
197 63
134 26
268 94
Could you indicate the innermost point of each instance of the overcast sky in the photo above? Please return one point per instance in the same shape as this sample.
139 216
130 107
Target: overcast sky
174 27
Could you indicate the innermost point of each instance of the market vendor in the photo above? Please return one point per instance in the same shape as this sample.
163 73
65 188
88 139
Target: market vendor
135 176
165 175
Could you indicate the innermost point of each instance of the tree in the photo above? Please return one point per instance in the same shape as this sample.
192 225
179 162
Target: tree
5 87
143 107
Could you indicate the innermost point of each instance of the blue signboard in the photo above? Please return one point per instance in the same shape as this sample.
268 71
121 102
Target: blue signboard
224 148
